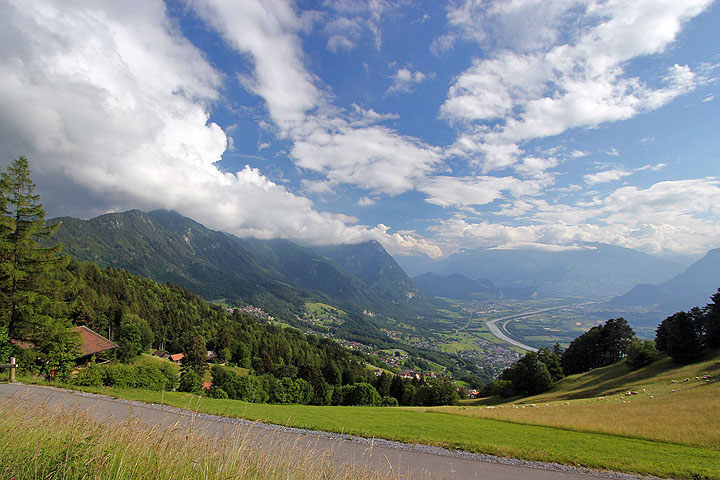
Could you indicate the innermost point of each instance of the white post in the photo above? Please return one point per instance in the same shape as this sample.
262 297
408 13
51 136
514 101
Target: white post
12 369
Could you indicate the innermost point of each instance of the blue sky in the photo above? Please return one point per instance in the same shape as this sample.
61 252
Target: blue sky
428 126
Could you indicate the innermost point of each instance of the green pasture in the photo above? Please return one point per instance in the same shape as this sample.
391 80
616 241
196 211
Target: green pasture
482 435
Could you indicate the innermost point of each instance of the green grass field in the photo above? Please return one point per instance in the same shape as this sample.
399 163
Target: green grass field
667 430
458 429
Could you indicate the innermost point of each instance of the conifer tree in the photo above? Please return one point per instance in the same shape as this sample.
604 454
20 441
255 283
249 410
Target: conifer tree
31 303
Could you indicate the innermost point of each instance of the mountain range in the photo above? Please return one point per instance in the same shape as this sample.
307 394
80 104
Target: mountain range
594 271
277 274
693 287
465 288
282 276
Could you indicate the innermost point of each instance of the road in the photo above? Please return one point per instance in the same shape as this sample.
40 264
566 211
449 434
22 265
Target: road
377 455
501 333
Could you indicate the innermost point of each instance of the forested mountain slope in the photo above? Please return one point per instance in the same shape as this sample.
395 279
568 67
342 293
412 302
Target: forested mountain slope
276 274
107 299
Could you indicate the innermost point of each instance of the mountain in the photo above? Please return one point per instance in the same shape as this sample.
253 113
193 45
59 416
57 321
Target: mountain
592 271
691 288
378 269
166 247
277 274
464 288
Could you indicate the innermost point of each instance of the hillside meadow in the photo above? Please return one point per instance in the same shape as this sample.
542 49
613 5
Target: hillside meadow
670 428
680 412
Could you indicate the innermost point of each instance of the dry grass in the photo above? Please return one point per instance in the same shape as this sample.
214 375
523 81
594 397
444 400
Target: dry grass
35 443
683 412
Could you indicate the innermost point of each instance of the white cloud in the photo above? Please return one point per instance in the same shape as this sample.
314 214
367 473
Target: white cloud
325 139
405 80
612 151
111 105
681 216
366 202
339 42
463 191
606 176
709 98
567 73
374 158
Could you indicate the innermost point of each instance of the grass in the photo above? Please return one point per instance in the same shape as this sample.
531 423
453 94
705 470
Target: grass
657 432
466 432
685 413
62 444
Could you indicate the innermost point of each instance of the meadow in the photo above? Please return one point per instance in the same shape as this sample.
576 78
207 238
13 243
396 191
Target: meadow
670 428
63 444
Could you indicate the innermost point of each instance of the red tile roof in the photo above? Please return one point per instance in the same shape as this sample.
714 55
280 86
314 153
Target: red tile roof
92 342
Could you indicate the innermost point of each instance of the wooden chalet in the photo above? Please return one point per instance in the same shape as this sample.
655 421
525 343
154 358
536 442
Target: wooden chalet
92 343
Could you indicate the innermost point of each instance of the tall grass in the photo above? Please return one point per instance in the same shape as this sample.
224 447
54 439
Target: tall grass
666 408
39 444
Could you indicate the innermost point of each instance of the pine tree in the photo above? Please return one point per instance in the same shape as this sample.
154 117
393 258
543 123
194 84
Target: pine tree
29 271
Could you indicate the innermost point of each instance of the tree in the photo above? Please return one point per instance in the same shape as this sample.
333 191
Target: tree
5 346
528 376
678 336
551 359
195 357
190 382
641 353
30 283
712 321
600 346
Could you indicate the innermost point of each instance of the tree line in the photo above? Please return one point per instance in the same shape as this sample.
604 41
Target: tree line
684 336
43 294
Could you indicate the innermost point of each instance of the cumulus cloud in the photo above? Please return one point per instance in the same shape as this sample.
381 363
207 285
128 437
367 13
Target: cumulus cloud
566 72
479 190
606 176
681 215
111 105
325 140
404 80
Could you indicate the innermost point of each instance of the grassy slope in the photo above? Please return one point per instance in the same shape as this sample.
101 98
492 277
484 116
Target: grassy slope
658 432
428 426
683 412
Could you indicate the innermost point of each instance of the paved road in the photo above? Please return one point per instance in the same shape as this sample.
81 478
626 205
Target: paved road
377 455
500 332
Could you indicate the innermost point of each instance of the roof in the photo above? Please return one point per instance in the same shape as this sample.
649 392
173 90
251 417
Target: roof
92 342
177 357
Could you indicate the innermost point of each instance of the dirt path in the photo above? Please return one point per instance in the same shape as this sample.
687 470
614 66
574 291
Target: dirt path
378 455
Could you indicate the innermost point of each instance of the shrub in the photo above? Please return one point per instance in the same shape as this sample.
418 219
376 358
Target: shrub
216 392
90 376
389 401
190 382
641 353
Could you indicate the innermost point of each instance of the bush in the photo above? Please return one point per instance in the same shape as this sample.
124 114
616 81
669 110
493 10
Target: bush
641 353
90 376
389 401
148 377
190 382
498 388
216 392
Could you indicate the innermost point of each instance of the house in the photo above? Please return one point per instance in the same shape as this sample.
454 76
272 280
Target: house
92 343
177 357
162 354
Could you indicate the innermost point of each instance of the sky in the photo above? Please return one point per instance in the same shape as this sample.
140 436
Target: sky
429 126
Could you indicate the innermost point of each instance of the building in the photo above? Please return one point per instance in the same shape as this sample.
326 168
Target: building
92 344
